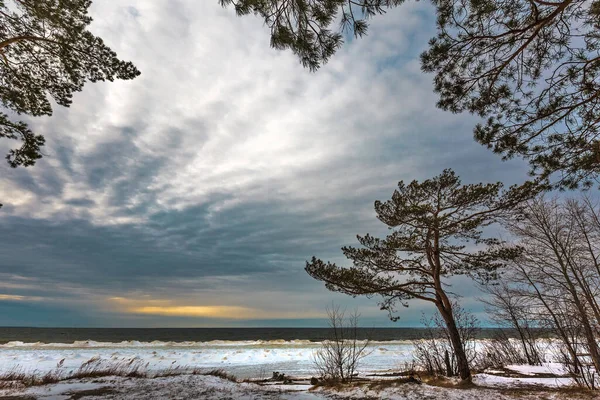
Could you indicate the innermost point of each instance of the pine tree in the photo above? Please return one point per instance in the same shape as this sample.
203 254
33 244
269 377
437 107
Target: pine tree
529 68
436 233
532 70
304 26
46 49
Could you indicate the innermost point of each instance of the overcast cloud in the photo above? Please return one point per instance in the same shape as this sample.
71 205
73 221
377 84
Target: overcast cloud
209 180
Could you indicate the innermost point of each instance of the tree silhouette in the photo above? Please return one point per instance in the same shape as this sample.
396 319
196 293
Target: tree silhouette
529 68
46 49
436 233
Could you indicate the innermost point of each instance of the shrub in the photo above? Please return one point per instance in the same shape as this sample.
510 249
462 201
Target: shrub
338 358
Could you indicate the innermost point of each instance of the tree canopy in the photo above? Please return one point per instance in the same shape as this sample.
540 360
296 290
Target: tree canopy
435 224
305 26
532 69
47 51
529 68
558 271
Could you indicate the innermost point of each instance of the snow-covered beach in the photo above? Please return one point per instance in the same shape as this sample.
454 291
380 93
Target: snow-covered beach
214 388
248 361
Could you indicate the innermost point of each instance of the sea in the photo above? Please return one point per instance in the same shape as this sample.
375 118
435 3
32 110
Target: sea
112 335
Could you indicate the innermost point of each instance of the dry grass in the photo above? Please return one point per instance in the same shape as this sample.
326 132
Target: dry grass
16 378
218 373
98 368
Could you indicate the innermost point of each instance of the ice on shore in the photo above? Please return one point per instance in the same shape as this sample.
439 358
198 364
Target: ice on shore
245 359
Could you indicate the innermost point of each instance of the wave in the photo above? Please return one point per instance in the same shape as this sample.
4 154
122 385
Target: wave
211 343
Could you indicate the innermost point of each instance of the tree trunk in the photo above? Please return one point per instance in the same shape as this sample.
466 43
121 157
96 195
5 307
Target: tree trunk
583 312
558 326
449 369
459 351
524 343
588 332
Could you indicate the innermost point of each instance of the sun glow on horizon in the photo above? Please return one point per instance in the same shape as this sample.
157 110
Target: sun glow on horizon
169 308
197 311
13 297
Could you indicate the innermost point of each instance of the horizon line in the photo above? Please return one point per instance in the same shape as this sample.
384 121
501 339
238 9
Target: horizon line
226 327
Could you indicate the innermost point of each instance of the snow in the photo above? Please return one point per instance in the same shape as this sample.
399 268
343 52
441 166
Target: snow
61 390
245 359
548 368
507 382
533 375
546 375
178 387
213 388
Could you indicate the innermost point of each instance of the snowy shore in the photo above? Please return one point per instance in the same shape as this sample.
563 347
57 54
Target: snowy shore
185 362
214 388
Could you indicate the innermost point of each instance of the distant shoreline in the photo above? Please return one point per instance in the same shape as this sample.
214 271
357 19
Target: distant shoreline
116 335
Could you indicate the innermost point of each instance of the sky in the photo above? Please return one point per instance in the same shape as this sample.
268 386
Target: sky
193 195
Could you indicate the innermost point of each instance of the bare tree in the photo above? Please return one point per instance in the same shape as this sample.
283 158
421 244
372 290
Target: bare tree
586 218
339 356
558 270
553 312
508 308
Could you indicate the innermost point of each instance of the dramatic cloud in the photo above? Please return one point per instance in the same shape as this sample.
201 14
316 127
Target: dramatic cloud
210 179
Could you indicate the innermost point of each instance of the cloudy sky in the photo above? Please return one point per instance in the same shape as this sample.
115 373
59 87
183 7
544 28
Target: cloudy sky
193 195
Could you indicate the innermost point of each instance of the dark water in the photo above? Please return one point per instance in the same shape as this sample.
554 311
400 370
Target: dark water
69 335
